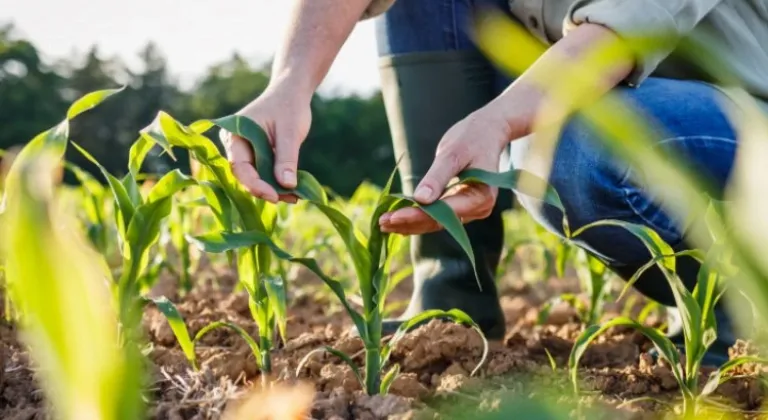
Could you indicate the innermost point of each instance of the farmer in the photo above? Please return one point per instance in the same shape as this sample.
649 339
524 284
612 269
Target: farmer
449 109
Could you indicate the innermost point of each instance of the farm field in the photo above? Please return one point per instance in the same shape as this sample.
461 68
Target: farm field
182 297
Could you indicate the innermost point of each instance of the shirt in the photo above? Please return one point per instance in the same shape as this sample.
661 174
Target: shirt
737 29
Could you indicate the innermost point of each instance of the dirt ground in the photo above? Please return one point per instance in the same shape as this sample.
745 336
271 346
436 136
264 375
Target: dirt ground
436 360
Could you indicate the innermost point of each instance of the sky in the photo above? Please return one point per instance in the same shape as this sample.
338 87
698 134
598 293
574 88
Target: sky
193 34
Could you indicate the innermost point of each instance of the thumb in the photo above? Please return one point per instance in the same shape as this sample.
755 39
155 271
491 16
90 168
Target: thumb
443 169
287 143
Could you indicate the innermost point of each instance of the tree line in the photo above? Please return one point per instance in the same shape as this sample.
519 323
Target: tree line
348 142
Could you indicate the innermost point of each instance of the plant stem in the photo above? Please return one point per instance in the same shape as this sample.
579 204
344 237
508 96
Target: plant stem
689 405
127 291
372 369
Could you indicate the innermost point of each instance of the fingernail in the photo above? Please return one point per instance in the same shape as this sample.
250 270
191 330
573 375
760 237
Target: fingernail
395 219
289 178
384 219
423 193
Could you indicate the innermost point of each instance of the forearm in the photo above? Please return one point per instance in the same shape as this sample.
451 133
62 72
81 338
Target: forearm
564 78
316 32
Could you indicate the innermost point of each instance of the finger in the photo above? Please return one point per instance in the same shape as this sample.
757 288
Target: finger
238 149
447 164
287 156
427 226
249 178
288 198
470 202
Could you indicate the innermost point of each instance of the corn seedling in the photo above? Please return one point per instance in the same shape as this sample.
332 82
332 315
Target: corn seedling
233 208
139 220
94 200
57 286
699 327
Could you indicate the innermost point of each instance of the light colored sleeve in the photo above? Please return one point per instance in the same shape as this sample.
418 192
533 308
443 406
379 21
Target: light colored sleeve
377 7
642 18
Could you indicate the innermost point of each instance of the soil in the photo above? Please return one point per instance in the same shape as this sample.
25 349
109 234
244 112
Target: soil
436 361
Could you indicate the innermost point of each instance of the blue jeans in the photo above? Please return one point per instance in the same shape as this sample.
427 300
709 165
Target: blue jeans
593 184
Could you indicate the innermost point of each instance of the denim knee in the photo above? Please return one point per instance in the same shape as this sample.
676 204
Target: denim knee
412 26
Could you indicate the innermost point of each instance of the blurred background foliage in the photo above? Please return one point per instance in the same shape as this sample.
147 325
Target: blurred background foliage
346 130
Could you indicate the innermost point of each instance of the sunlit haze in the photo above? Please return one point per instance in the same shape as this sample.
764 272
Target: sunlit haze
192 34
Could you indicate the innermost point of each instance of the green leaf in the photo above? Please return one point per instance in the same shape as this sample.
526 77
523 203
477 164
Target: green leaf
563 251
236 328
307 186
138 152
664 346
55 279
171 183
721 375
167 132
179 328
532 187
122 199
275 287
454 315
443 214
655 244
90 101
219 203
389 378
653 262
132 188
219 242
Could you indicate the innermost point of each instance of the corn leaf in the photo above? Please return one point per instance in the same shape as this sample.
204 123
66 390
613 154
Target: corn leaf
664 346
443 214
389 378
179 328
307 186
694 253
68 322
219 242
532 187
123 201
721 375
133 190
54 141
137 153
454 315
168 133
655 244
169 184
217 200
236 328
275 287
90 101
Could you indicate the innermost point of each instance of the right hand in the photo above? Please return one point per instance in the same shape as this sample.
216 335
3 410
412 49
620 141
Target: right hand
285 116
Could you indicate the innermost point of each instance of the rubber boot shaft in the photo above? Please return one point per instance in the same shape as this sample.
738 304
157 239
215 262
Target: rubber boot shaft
425 94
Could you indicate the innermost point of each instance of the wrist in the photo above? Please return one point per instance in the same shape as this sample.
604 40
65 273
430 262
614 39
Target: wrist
294 84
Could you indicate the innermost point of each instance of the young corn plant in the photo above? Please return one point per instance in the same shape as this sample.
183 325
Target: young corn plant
699 324
235 210
139 220
56 284
371 257
95 200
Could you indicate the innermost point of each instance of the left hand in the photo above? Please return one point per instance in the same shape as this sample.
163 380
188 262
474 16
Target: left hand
474 142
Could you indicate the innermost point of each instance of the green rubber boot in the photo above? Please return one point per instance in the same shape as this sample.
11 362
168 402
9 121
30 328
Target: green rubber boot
425 94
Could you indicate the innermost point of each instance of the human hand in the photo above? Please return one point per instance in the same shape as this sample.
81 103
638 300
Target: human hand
285 116
474 142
